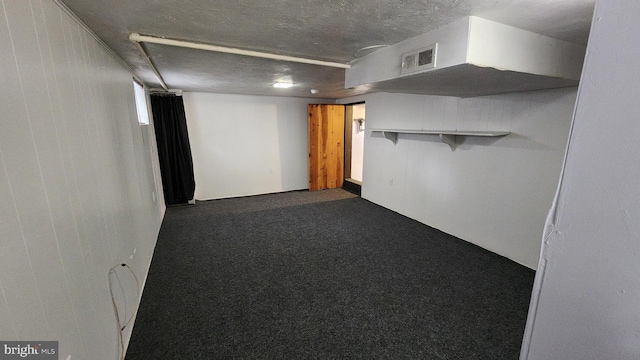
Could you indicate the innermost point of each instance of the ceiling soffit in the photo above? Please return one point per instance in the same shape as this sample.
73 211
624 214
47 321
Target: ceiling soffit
316 29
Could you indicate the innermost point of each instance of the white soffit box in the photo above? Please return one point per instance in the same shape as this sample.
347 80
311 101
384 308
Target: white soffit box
472 57
385 64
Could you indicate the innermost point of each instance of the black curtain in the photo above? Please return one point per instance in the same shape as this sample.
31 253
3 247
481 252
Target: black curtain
174 151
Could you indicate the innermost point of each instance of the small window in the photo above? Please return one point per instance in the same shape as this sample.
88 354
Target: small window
141 104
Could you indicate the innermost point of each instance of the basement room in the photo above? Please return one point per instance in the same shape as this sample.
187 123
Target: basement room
319 179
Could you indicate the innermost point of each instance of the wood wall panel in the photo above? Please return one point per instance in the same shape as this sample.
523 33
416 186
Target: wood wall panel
495 194
77 187
326 146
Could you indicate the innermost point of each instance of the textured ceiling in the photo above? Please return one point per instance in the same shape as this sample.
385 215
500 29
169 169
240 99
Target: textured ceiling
331 30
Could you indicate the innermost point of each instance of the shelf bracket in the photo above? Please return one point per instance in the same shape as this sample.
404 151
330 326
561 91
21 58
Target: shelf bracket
449 140
393 136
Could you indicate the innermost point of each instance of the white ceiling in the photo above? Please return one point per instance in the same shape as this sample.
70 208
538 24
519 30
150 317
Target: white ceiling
330 30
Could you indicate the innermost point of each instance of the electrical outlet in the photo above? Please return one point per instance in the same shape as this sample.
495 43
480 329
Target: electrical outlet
390 182
270 170
153 194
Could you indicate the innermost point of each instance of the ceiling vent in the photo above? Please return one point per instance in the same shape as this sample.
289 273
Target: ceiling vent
419 60
470 57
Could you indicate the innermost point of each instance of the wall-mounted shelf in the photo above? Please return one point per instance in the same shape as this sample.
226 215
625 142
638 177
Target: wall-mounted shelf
448 137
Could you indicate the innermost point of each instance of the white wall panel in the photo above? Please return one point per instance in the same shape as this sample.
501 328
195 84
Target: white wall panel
586 294
76 182
493 192
8 330
19 165
247 145
24 305
45 254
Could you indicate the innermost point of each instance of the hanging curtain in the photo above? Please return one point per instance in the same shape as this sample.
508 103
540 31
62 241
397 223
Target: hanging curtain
174 151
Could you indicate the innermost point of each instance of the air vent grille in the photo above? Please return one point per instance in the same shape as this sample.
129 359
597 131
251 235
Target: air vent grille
419 60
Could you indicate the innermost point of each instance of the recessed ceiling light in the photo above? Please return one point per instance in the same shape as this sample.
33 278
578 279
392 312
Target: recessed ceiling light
314 91
282 85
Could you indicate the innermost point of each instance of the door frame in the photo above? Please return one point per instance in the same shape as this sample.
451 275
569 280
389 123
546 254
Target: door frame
348 183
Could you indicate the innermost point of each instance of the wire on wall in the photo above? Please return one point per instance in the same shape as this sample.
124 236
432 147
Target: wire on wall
121 326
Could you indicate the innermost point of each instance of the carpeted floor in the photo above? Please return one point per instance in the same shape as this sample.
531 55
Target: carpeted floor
323 275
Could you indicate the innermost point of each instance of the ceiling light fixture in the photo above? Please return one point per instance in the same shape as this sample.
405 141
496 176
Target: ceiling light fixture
282 85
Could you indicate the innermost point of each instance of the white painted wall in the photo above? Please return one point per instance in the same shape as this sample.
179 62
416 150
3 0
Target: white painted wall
357 142
76 183
492 192
586 297
246 145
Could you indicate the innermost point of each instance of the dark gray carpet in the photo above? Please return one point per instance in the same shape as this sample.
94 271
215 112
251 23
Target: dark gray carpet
323 275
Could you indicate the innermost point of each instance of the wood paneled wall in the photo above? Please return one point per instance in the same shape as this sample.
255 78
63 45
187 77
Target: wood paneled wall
77 187
496 193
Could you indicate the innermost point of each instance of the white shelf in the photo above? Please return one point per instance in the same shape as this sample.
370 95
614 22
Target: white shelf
448 137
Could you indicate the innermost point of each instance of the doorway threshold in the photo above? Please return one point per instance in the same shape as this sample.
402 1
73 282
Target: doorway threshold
353 186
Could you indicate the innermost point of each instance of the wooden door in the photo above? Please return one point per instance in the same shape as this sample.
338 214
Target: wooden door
326 146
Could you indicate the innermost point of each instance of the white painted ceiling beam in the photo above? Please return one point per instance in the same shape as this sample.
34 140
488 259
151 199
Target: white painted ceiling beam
137 38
